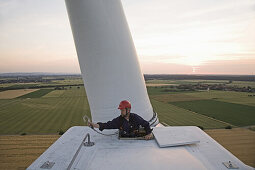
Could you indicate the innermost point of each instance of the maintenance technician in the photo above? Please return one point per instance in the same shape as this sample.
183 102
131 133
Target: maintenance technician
128 123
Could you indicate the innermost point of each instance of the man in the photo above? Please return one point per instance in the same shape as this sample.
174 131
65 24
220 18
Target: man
128 123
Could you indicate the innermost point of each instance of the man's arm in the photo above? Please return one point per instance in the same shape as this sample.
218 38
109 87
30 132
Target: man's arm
113 124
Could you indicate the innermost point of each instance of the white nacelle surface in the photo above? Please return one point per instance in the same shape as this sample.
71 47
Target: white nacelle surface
112 153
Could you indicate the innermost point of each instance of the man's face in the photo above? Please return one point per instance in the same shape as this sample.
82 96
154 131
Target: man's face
124 112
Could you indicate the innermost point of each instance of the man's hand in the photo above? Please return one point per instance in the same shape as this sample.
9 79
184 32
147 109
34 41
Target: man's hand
149 136
94 125
90 124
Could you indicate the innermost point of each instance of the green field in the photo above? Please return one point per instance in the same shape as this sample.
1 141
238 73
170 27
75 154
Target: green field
36 94
45 114
46 111
53 82
226 96
236 114
175 116
165 90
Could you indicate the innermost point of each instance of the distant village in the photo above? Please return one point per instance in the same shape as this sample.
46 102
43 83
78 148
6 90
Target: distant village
28 80
207 87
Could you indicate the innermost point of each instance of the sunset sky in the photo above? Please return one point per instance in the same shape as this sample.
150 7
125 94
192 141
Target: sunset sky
171 36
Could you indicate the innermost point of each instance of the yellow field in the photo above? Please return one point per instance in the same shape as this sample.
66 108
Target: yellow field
18 152
10 94
240 142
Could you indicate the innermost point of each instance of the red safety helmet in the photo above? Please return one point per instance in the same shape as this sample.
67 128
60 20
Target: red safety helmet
124 104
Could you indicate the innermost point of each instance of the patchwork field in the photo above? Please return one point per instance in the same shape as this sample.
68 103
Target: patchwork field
236 114
47 111
236 108
226 96
11 94
36 94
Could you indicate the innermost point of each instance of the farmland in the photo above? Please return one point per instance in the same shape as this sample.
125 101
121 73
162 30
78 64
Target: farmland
18 152
236 114
175 116
226 96
177 82
48 111
10 94
36 94
240 142
44 115
61 109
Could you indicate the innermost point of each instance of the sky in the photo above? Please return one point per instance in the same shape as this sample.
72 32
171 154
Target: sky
170 36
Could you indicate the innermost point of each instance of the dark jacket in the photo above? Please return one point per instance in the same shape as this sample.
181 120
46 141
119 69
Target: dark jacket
127 126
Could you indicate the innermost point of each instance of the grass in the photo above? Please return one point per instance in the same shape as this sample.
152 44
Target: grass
158 90
226 96
10 94
55 93
68 81
175 116
236 114
45 115
174 97
36 94
46 111
6 85
62 109
23 85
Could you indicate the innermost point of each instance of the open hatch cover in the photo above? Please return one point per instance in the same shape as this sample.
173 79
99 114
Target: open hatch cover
174 136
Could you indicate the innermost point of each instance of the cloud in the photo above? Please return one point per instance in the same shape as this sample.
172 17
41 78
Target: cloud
64 65
35 34
165 68
247 55
241 66
238 67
